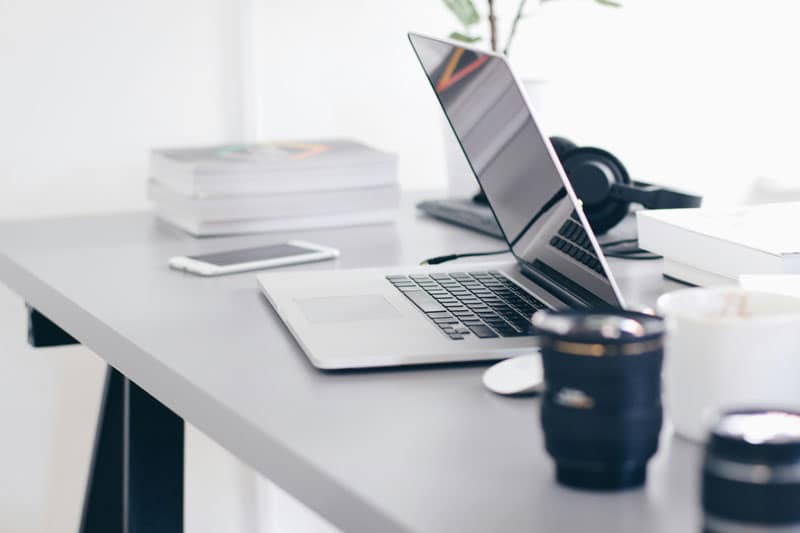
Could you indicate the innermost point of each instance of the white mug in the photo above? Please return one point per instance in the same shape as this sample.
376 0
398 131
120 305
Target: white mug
728 348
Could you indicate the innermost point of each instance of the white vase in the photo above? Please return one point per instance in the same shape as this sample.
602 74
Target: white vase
460 180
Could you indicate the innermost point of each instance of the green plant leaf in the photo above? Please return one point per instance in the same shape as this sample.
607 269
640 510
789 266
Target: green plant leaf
458 36
609 3
464 10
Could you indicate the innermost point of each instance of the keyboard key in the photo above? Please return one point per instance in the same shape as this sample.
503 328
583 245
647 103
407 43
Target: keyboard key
483 332
456 336
440 314
520 326
526 309
424 301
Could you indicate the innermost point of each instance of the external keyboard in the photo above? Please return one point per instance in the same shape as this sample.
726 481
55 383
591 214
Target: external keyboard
463 212
483 304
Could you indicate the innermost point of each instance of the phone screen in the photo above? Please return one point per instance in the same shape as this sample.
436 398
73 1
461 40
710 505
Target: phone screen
234 257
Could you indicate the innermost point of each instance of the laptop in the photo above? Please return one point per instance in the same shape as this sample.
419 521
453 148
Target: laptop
470 311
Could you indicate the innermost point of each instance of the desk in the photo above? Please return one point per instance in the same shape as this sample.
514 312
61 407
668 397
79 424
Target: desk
421 449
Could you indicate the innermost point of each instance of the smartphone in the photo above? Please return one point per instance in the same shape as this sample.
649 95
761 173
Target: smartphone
274 255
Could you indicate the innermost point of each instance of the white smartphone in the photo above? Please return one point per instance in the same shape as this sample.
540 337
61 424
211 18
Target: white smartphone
274 255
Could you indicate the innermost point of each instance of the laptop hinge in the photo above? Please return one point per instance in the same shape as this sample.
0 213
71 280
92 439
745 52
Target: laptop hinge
568 292
551 287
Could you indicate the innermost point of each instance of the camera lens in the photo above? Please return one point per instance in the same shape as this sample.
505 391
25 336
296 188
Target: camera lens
601 409
751 473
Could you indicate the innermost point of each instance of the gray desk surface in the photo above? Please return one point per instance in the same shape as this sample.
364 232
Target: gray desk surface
422 449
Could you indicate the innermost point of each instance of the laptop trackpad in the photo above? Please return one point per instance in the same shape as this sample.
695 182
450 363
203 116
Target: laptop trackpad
346 308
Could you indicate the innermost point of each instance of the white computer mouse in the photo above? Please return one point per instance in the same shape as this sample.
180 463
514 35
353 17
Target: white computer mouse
518 375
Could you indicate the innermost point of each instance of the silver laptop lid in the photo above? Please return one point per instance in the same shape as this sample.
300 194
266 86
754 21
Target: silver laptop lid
518 170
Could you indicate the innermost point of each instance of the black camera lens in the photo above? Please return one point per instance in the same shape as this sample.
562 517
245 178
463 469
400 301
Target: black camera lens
751 473
601 409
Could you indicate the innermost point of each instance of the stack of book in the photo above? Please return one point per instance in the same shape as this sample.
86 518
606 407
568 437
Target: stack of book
715 246
249 188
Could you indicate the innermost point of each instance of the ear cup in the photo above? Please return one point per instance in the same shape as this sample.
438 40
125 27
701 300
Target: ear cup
562 146
592 173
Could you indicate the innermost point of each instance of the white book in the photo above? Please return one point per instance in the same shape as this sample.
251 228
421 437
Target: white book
204 228
209 164
717 245
280 181
694 276
788 284
273 206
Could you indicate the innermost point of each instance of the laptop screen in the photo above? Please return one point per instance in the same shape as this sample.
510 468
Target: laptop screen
517 170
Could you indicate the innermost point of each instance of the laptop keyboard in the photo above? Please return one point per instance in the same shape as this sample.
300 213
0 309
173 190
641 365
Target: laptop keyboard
483 304
573 241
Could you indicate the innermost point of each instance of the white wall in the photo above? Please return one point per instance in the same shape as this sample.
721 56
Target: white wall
346 68
700 95
89 86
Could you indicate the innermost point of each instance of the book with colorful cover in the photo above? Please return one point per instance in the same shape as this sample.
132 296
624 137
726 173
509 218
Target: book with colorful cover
287 154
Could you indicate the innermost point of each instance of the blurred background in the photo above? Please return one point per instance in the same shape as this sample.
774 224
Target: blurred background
696 95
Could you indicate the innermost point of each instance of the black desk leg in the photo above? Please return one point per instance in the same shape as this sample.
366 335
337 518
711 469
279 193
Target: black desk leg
153 465
42 332
102 504
136 478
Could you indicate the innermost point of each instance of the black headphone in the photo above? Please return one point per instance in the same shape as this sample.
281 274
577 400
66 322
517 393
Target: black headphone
605 188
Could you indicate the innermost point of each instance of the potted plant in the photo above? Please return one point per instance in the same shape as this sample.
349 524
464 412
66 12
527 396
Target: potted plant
467 14
461 182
